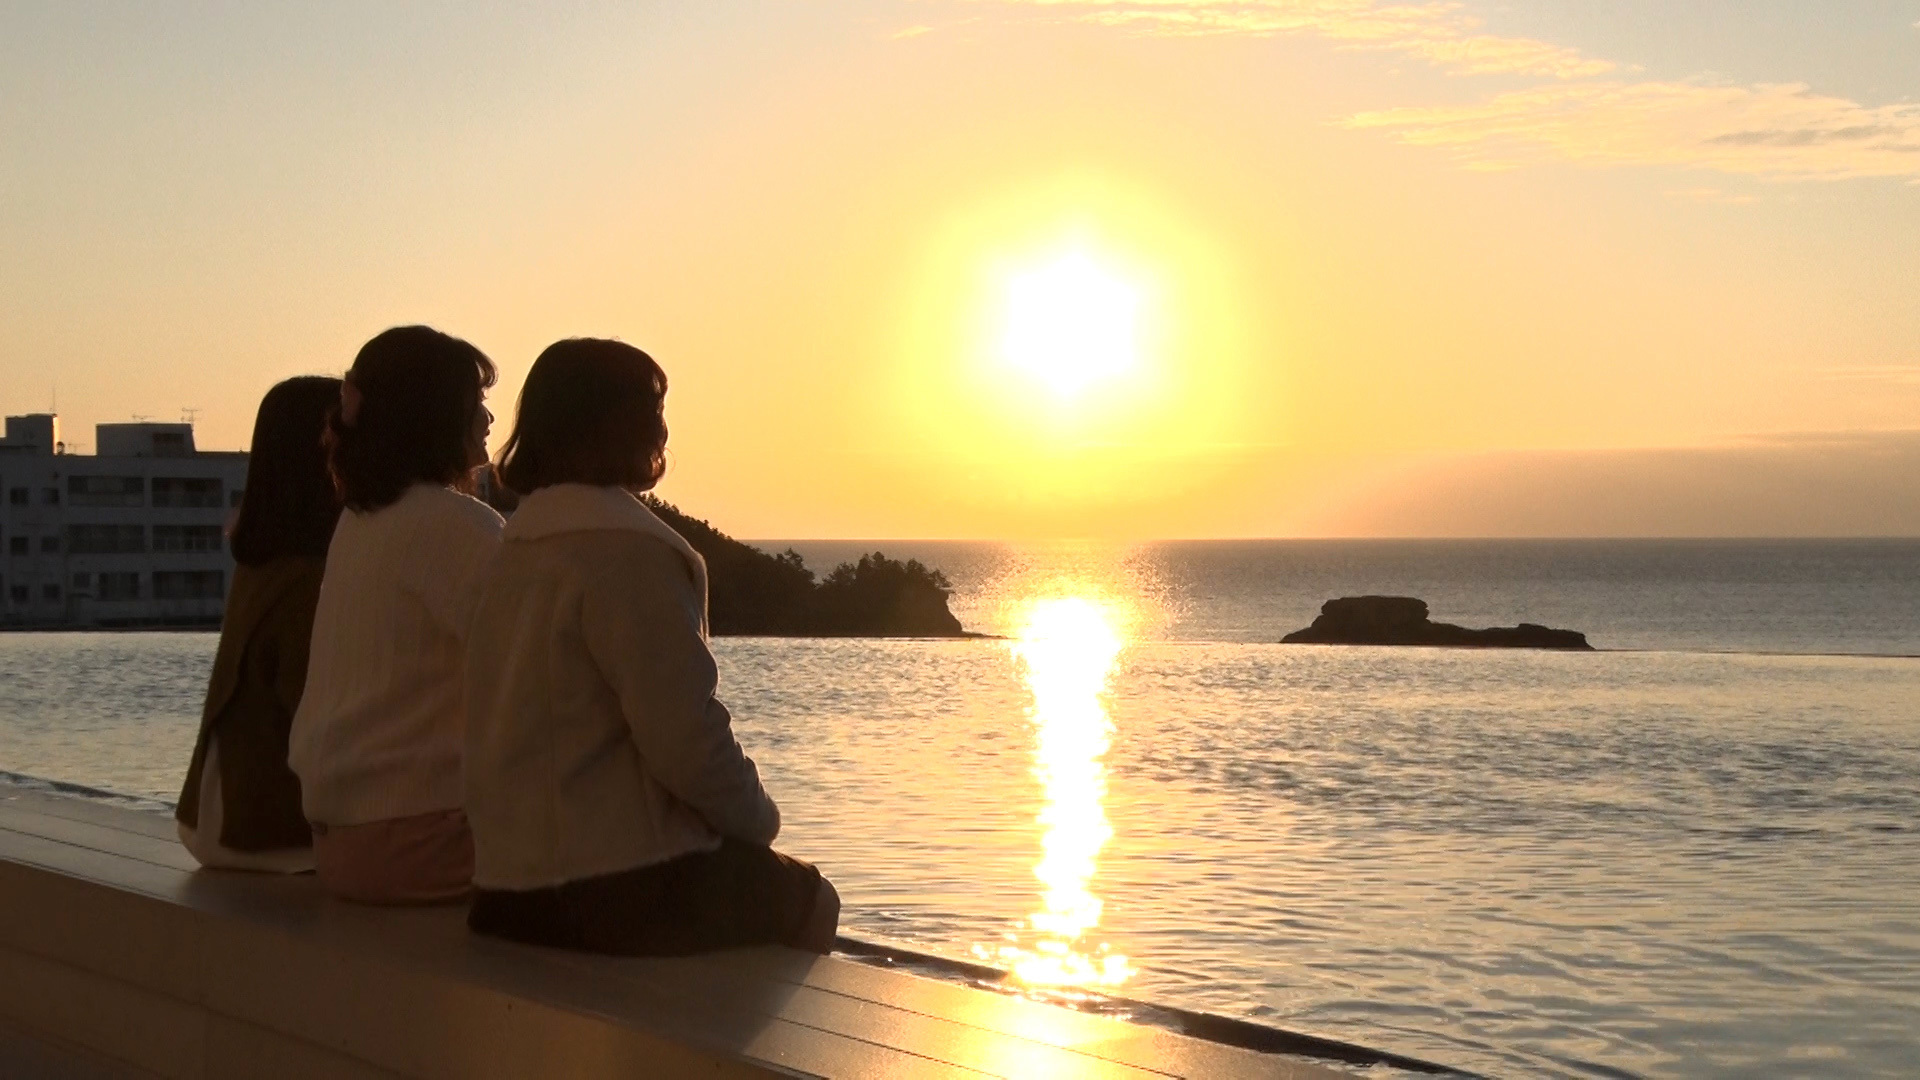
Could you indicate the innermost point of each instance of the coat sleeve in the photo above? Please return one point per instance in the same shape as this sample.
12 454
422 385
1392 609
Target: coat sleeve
295 633
641 622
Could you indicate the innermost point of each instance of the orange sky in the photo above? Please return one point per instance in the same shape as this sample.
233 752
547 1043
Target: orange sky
1429 270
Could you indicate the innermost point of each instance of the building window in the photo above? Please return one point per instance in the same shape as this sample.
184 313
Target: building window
17 546
49 545
188 584
106 539
186 538
233 498
119 585
50 496
83 582
17 497
51 592
187 491
19 594
106 491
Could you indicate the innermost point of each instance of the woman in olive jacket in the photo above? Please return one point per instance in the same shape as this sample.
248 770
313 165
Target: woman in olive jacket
240 806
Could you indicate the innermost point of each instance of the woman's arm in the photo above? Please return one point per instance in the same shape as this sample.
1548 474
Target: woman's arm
641 622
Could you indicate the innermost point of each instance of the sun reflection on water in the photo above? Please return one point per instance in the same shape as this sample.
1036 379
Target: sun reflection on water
1066 648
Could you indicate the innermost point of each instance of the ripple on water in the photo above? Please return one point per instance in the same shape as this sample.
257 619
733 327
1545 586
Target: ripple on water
1607 865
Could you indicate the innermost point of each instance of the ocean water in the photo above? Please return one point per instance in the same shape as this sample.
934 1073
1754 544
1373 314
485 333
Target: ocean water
1694 853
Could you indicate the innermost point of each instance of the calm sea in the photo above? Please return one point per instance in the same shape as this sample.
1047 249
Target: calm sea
1696 853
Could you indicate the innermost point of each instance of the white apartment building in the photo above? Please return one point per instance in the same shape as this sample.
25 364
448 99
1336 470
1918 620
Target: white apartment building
131 535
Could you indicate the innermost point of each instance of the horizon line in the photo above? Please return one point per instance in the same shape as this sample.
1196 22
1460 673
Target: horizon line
1703 538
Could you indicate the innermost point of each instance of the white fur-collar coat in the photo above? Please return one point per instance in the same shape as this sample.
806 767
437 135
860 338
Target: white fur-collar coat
594 740
565 508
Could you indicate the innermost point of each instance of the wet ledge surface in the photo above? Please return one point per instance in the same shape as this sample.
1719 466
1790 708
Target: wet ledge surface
112 944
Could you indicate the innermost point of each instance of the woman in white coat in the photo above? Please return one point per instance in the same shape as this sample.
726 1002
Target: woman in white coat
612 809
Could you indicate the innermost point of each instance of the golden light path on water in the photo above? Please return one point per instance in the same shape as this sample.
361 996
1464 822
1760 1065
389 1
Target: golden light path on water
1066 649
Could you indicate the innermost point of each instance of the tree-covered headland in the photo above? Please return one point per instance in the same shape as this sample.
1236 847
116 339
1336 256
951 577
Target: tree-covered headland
753 592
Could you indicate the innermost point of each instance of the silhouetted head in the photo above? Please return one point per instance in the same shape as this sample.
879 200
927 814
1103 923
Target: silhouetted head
410 412
592 412
289 506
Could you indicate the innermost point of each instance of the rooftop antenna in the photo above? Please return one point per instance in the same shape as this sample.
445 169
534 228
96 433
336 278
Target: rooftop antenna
189 414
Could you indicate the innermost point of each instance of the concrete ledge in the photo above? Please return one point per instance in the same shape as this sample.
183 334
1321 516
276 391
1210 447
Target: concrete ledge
113 944
24 1055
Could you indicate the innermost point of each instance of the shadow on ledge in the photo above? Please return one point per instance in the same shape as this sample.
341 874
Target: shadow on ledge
752 592
1402 620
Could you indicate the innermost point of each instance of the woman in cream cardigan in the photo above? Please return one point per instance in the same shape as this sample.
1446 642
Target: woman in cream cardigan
376 741
612 809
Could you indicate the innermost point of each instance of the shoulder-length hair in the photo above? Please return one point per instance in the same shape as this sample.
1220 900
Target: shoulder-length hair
406 415
289 506
592 412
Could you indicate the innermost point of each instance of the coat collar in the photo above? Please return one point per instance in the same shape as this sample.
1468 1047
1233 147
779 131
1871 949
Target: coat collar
565 508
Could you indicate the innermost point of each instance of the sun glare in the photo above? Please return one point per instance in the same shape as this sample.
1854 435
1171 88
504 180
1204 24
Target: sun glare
1066 650
1071 324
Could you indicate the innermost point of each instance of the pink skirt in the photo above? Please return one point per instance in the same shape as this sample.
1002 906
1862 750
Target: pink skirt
423 859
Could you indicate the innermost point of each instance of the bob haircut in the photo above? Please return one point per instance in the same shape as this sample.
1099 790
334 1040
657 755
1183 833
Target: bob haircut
289 506
592 412
405 416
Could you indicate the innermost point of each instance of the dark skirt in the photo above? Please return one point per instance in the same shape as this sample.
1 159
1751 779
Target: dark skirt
736 895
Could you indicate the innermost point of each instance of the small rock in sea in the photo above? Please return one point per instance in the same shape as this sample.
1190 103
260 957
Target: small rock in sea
1402 620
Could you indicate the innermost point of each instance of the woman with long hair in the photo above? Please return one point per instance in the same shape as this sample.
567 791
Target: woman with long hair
240 805
612 808
377 739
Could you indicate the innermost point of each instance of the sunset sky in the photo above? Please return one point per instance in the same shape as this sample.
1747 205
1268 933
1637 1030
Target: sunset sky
984 268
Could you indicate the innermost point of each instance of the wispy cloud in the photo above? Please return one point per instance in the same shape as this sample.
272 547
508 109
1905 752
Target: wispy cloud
1440 32
1883 374
1590 115
1781 131
1859 483
1712 195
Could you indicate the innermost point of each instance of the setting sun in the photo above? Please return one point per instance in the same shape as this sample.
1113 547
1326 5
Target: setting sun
1069 347
1071 324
